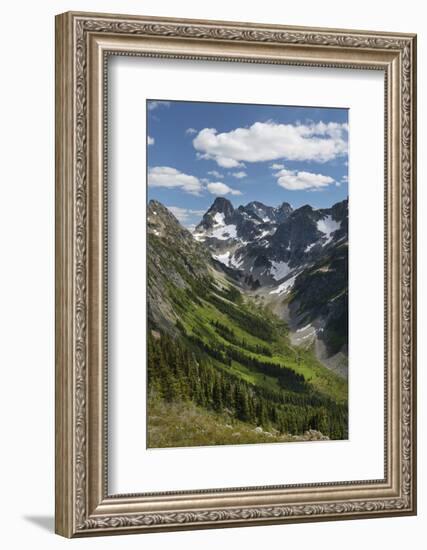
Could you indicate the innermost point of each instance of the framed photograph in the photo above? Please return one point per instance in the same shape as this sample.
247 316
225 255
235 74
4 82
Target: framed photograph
235 274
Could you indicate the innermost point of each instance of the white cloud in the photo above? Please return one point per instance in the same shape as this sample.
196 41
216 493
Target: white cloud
150 140
151 105
224 162
183 214
227 162
215 174
294 180
276 166
239 175
264 141
220 188
191 131
165 176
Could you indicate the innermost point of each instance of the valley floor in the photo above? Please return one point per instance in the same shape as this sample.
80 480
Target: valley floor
306 337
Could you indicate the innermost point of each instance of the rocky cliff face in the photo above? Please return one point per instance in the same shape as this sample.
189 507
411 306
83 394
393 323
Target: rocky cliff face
174 258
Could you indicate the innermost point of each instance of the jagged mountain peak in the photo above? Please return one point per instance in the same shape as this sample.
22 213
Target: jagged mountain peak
255 204
283 212
221 205
306 208
269 243
249 212
220 213
269 214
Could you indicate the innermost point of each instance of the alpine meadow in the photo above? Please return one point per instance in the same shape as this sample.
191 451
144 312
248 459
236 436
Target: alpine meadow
247 274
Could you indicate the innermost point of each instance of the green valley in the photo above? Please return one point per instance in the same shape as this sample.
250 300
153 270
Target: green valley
216 357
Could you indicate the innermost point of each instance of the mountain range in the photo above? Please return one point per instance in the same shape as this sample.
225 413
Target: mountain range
253 302
293 260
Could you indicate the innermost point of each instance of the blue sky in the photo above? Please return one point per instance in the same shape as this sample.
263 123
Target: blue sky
198 151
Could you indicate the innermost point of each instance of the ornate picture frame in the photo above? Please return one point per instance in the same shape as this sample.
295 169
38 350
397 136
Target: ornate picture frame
84 42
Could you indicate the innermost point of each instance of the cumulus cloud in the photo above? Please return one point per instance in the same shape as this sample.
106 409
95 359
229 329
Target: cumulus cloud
276 166
171 178
224 162
220 188
267 141
152 105
183 214
191 131
215 174
165 176
294 180
150 140
239 175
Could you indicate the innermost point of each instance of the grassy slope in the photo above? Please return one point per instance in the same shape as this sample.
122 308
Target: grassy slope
197 320
186 425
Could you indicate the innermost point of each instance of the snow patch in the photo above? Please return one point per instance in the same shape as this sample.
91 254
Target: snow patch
223 258
327 226
279 270
201 237
263 234
309 247
235 262
225 232
227 259
219 218
304 328
285 287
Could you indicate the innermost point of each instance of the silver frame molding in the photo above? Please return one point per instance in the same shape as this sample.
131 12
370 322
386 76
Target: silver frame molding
83 43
